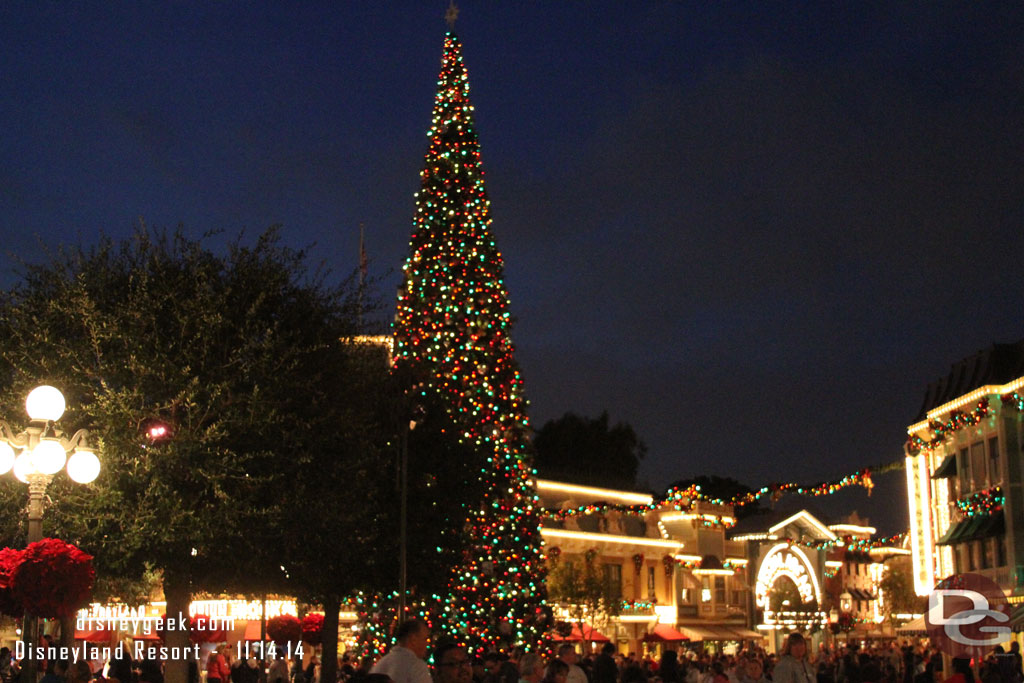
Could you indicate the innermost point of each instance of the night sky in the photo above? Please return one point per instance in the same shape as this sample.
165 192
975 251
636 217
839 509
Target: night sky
755 231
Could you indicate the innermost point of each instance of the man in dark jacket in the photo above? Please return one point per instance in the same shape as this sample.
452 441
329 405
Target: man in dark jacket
605 670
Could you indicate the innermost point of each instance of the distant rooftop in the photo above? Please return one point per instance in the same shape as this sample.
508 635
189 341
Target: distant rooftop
998 364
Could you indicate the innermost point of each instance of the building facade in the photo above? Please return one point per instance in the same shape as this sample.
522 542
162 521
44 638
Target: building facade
964 479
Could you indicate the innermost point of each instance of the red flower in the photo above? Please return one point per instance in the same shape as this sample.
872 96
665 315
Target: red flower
311 627
9 561
284 629
53 579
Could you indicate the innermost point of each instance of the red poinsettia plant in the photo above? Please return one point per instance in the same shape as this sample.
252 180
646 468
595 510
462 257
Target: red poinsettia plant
284 629
53 579
312 625
9 561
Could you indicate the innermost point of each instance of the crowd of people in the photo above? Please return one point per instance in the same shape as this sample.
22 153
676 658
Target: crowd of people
407 662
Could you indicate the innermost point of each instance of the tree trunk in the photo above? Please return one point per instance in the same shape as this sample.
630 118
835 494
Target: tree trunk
67 632
178 594
329 647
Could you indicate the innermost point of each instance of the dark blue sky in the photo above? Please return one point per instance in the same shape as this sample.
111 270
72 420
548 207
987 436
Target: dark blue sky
753 230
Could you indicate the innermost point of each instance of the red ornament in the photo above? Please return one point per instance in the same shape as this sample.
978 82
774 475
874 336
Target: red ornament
284 629
54 579
9 561
312 626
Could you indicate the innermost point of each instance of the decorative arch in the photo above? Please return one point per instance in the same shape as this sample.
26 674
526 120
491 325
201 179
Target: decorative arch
792 562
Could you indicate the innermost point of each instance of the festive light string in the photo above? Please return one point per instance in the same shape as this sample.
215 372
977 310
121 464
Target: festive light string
956 421
684 499
452 332
985 502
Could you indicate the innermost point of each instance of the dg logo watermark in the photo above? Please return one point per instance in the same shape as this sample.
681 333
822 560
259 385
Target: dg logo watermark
967 616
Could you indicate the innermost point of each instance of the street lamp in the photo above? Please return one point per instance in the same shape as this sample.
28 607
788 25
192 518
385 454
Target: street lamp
45 451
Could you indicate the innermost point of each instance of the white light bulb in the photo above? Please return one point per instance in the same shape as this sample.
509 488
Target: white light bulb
45 403
83 466
6 457
48 456
23 467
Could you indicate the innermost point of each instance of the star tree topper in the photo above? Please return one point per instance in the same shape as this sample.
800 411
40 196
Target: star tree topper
451 15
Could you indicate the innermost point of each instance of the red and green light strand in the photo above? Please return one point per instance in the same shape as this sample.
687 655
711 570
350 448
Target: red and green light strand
985 502
452 330
955 421
684 499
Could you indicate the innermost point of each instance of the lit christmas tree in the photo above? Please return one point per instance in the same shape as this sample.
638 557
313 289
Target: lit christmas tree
452 334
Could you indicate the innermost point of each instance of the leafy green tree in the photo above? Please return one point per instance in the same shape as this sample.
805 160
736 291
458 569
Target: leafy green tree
612 452
238 354
897 588
581 586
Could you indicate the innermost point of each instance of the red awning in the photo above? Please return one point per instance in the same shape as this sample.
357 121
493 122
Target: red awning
100 635
587 634
663 633
252 631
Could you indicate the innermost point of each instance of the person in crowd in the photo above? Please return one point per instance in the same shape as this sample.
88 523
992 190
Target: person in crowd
79 672
605 670
556 671
567 654
752 670
312 671
531 668
961 671
121 668
668 669
6 669
1016 667
404 663
278 671
245 671
793 666
56 672
217 668
149 670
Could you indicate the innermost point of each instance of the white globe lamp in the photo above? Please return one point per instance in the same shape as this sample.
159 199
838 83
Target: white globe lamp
48 457
6 457
23 467
45 403
83 466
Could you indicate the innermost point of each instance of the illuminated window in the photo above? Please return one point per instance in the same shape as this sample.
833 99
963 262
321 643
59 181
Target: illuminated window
993 460
613 580
978 478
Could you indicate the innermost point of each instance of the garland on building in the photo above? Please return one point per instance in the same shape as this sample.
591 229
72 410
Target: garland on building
985 502
956 421
452 334
684 499
1013 400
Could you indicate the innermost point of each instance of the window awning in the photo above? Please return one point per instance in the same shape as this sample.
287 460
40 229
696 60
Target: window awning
946 469
974 528
914 627
252 631
951 533
717 632
860 594
99 635
585 634
1016 622
663 633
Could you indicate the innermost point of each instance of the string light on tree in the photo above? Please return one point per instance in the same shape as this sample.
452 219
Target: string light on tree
452 330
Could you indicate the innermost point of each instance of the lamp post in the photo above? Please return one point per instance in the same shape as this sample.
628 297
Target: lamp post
403 542
45 451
